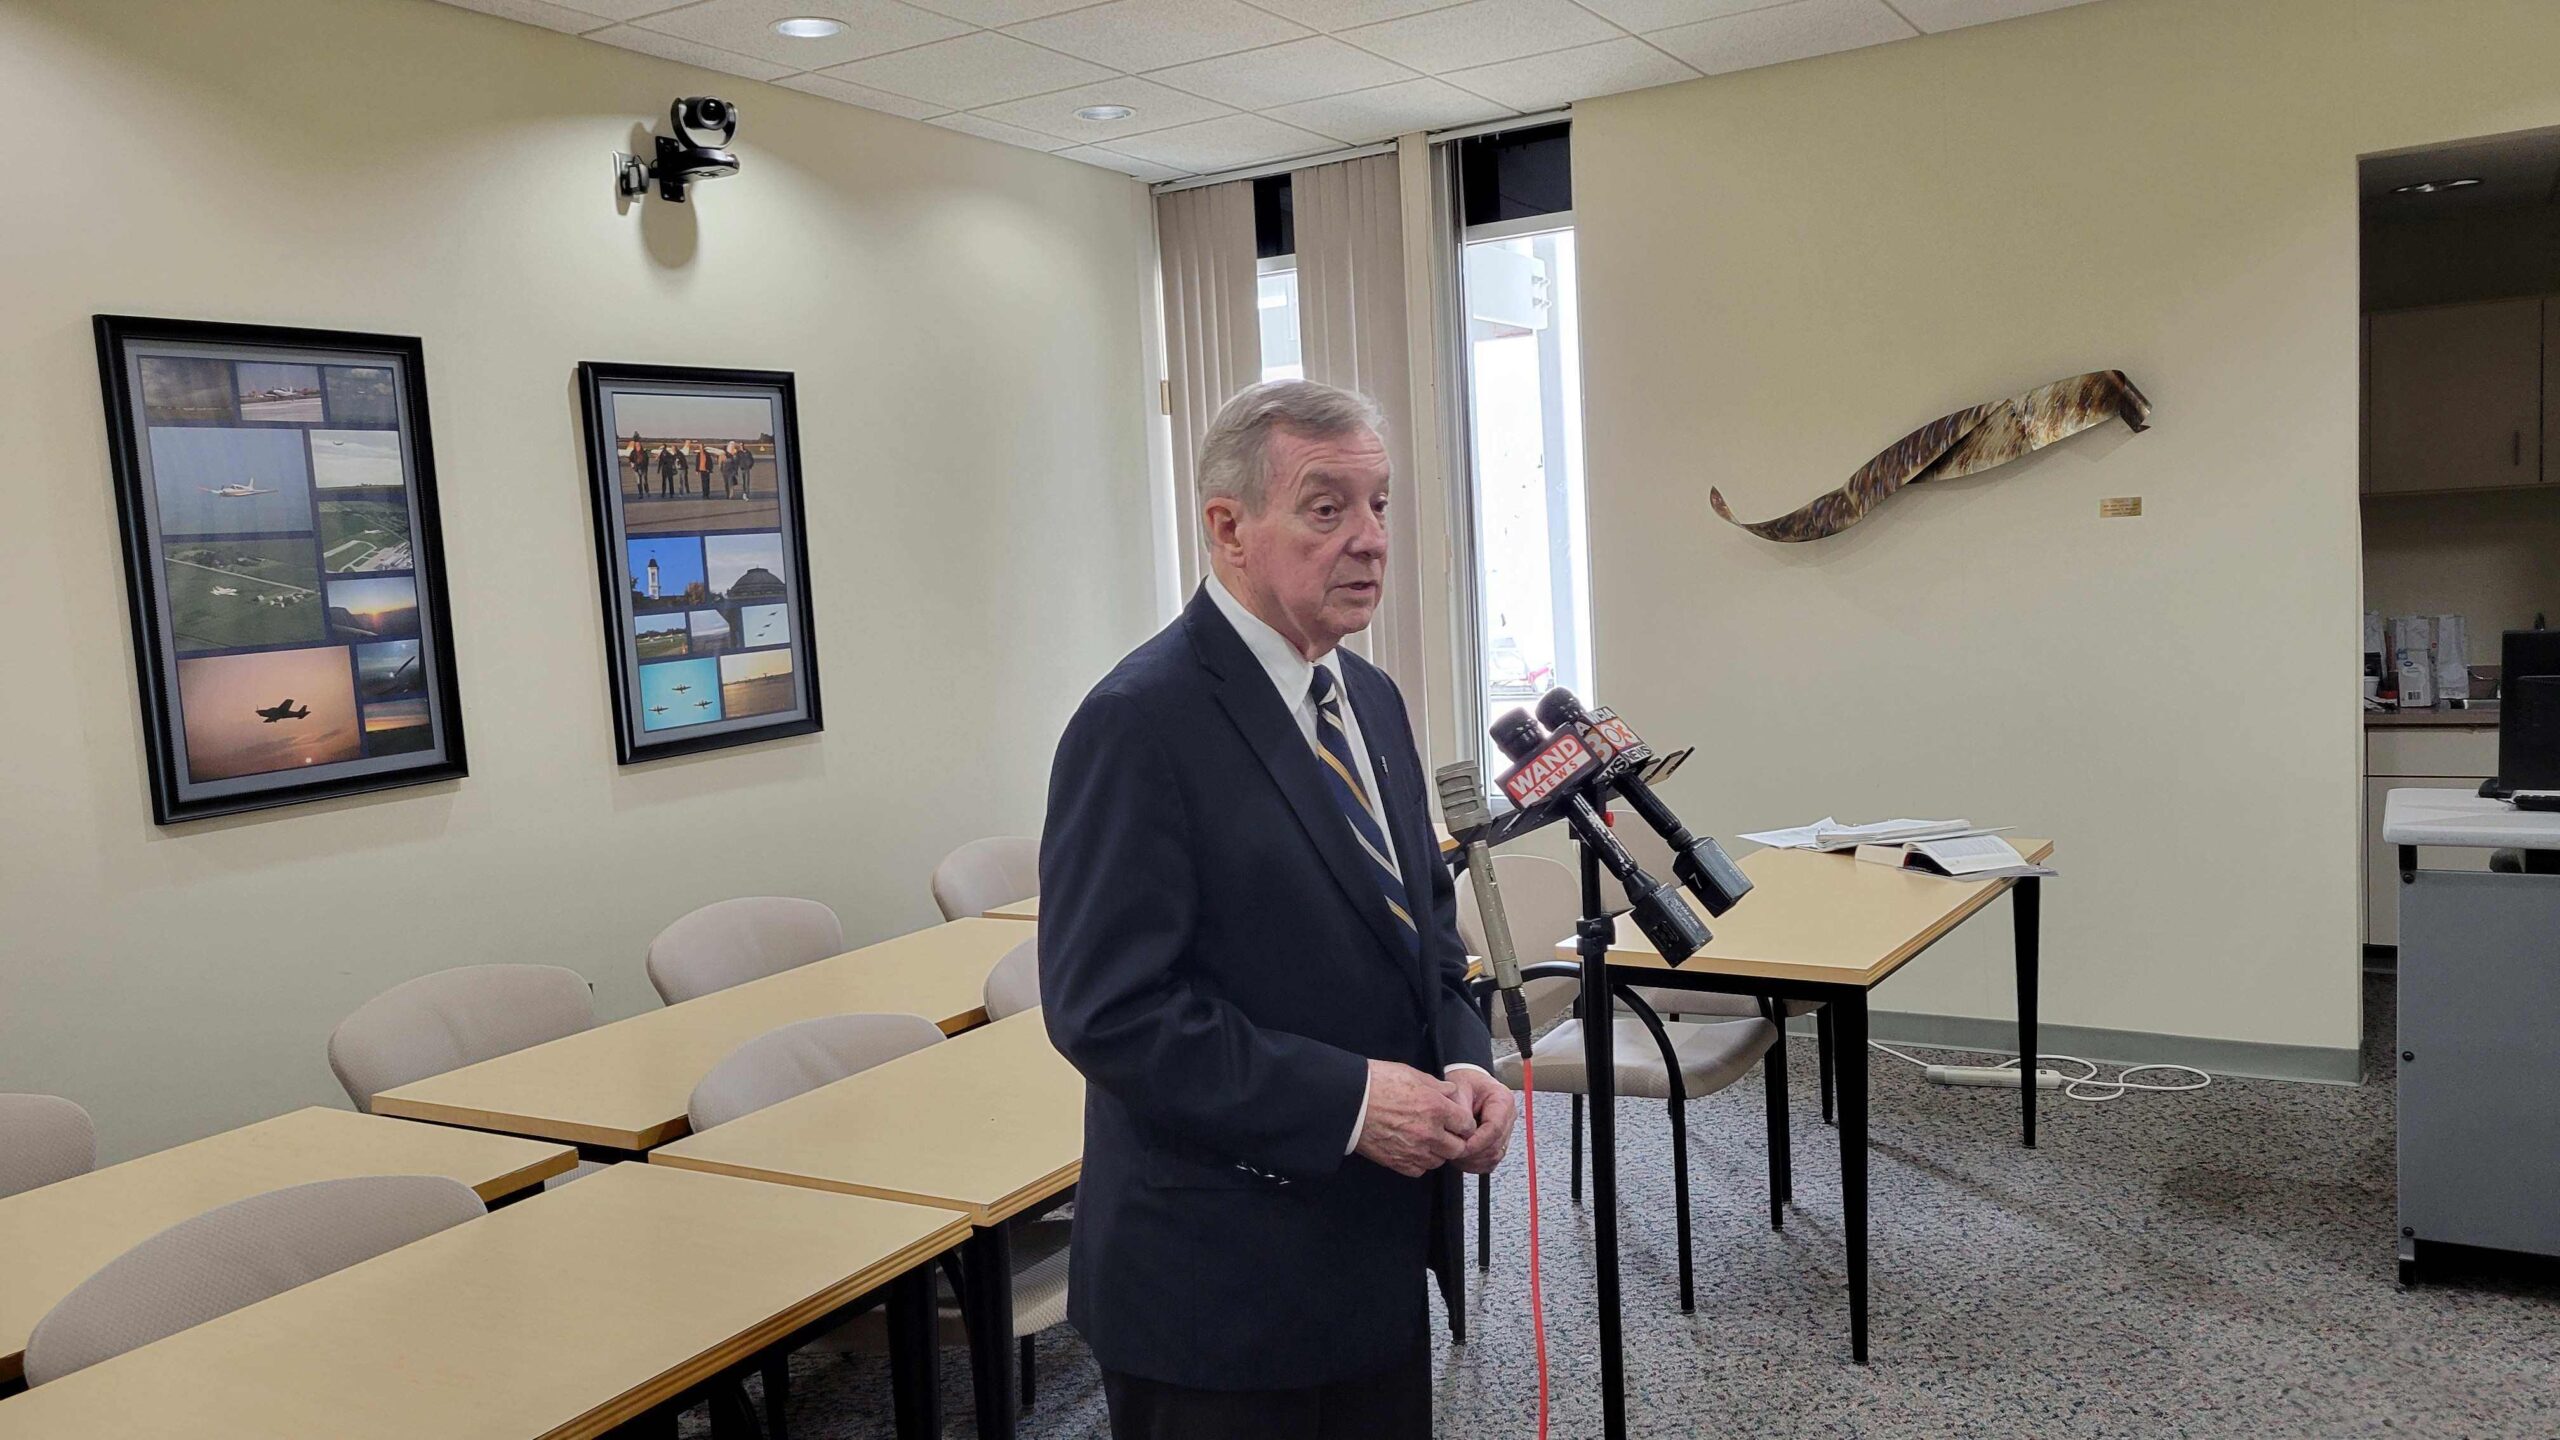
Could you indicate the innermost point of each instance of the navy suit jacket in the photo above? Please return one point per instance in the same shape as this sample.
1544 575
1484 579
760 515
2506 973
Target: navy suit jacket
1216 957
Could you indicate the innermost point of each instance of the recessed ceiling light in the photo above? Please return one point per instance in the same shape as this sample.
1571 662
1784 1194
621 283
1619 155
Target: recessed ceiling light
2431 187
808 27
1105 112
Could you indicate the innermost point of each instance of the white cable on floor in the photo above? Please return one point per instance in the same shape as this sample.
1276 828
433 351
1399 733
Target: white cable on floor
2071 1085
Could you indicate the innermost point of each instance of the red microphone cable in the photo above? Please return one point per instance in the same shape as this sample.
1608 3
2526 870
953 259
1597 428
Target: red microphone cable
1537 1305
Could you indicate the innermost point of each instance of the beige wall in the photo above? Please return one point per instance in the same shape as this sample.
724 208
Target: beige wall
964 321
1784 270
2492 557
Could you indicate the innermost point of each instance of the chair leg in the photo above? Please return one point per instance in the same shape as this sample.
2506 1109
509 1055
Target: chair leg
1781 1177
1822 1048
777 1396
1484 1222
733 1416
1577 1149
1027 1388
1680 1191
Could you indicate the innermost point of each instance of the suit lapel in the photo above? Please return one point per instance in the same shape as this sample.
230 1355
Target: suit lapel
1244 692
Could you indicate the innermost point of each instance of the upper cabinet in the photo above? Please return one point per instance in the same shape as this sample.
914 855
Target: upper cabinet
2455 397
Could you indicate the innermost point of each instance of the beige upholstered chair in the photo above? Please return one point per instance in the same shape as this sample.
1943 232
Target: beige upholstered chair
799 1057
984 874
807 1054
1542 900
730 942
43 1138
1014 985
236 1255
454 1018
1708 1058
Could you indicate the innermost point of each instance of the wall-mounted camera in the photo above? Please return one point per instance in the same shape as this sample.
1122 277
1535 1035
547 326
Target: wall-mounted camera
683 157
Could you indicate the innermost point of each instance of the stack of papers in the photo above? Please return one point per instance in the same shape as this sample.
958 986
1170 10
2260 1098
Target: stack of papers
1829 834
1955 848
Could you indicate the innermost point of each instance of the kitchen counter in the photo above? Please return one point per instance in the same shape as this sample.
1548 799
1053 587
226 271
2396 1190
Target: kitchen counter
2472 719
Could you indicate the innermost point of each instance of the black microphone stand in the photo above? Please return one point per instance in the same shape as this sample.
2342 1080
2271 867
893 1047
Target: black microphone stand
1594 934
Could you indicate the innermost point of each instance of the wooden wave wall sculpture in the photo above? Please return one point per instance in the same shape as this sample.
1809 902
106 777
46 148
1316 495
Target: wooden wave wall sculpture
1968 442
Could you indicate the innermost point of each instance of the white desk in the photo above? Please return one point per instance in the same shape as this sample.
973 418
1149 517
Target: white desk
2479 983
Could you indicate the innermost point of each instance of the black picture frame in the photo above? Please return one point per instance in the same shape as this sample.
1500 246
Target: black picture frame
240 633
742 556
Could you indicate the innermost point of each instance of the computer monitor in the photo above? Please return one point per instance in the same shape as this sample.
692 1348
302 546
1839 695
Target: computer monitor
2528 713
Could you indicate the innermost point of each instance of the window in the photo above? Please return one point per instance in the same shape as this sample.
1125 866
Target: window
1524 421
1278 297
1275 243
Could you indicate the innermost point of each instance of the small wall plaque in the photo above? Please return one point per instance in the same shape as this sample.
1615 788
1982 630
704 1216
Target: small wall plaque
2120 507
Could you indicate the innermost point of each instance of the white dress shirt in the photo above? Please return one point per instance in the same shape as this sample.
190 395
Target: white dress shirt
1293 675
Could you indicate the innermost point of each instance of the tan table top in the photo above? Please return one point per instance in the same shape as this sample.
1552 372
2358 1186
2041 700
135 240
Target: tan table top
625 1085
988 1123
56 1236
562 1316
1824 918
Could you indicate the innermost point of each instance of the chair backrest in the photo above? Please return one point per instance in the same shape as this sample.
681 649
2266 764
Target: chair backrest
235 1255
799 1057
43 1138
984 874
730 942
1543 901
454 1018
1014 985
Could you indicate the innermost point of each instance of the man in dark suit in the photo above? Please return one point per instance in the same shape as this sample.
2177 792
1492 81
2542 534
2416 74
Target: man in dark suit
1248 945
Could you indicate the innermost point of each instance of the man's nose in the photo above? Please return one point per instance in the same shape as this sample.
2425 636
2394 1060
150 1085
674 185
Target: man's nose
1369 538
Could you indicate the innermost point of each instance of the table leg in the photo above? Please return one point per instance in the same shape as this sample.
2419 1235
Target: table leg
986 1265
2026 905
915 1356
1849 1073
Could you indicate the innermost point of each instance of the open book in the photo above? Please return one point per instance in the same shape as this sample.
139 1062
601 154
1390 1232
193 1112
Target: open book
1831 835
1969 857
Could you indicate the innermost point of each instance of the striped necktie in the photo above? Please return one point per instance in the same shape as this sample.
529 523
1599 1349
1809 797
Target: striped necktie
1333 747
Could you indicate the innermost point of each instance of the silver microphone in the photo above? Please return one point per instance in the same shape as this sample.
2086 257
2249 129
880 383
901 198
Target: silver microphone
1463 810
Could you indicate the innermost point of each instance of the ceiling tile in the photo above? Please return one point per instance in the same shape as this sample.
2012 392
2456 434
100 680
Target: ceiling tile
1390 110
1796 31
846 91
1284 74
985 129
1640 16
1129 165
1937 15
746 26
538 12
1482 32
620 9
992 13
686 52
1151 34
1336 15
972 70
1156 107
1224 144
1542 82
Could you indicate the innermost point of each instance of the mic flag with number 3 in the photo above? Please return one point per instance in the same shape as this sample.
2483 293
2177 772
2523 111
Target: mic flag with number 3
1966 443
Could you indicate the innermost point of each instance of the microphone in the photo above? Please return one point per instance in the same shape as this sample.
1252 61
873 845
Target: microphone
1463 810
1699 863
1556 768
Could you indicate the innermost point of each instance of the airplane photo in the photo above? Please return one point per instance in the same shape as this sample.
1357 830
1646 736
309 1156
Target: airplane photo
283 710
679 689
235 492
657 709
226 590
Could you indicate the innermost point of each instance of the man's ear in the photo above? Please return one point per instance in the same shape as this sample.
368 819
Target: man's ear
1221 516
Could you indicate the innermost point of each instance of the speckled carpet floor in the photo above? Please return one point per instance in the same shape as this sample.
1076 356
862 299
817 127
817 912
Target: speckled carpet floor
2203 1265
